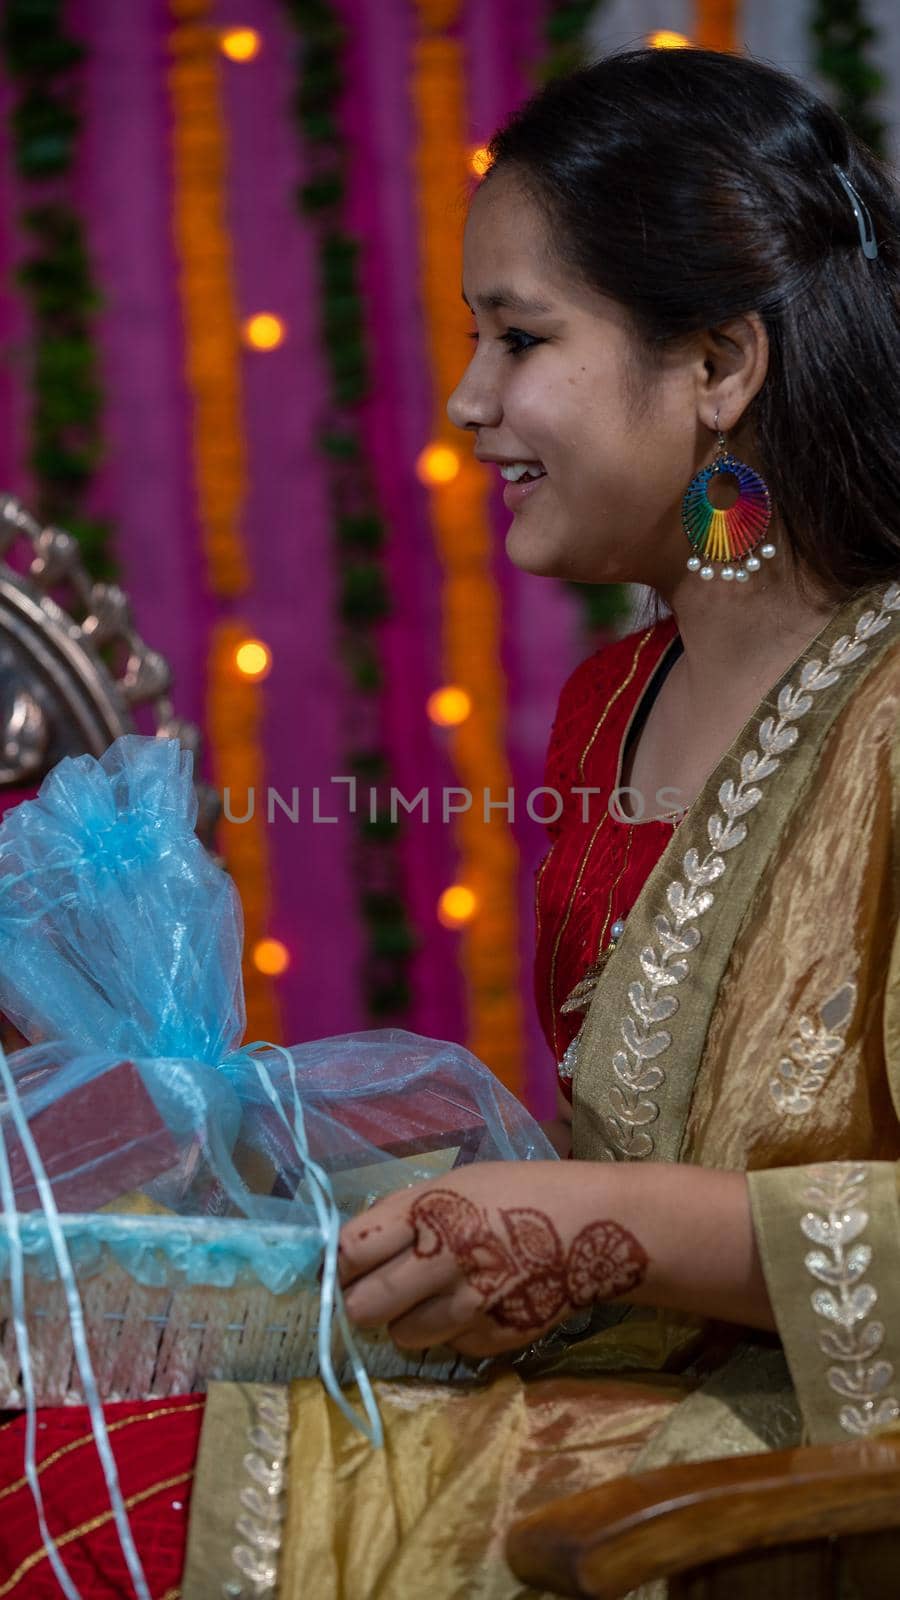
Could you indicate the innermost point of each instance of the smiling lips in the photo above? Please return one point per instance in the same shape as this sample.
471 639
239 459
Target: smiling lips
515 494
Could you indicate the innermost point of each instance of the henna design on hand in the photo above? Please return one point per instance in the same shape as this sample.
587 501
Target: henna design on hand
444 1218
527 1283
605 1261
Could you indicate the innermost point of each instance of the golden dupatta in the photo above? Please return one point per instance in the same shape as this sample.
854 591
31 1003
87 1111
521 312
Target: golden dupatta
748 1019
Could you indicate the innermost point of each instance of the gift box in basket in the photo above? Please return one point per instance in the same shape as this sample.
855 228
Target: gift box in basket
169 1197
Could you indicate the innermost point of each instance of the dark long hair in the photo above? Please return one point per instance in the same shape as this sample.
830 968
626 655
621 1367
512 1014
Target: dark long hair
694 186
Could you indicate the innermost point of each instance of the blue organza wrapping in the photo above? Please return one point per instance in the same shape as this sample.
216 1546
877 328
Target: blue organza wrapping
120 942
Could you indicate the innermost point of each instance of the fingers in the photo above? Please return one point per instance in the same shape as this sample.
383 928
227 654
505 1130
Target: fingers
480 1340
394 1288
434 1321
452 1320
374 1237
477 1346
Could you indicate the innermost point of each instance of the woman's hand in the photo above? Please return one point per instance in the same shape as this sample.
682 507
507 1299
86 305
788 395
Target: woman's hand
486 1260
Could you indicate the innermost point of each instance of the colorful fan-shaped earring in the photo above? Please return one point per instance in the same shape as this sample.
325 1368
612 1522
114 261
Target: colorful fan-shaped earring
730 537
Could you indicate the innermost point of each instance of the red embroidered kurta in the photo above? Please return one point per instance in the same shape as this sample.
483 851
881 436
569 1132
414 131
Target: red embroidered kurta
597 864
591 876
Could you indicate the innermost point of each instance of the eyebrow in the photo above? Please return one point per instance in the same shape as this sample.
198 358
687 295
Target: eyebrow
507 300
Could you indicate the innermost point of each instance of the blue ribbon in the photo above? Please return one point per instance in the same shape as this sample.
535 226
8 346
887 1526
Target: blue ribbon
331 1303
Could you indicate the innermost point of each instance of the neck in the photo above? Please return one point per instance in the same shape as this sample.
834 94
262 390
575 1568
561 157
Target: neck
740 638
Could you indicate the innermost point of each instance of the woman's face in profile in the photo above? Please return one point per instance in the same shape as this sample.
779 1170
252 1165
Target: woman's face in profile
551 386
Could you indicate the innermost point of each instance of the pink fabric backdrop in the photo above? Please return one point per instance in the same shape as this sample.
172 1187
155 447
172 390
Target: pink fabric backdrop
288 531
123 190
377 116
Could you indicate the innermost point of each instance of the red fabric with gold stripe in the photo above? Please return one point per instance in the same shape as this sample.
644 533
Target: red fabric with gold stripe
155 1446
597 865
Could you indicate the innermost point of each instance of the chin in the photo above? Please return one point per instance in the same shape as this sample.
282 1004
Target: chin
534 557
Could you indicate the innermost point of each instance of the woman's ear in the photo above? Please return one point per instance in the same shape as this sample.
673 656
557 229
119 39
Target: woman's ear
732 370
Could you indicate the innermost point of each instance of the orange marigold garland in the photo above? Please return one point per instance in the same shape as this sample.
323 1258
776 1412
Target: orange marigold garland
211 316
233 722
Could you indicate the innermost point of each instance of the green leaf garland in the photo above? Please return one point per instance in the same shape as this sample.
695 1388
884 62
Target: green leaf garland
67 399
365 599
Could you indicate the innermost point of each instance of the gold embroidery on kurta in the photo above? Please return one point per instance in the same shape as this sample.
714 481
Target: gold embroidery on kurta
637 1070
643 639
564 924
580 997
852 1343
813 1052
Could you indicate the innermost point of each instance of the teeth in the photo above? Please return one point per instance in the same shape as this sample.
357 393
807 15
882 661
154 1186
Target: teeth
518 470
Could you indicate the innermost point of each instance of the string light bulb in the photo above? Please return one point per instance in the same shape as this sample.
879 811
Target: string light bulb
449 706
253 659
437 463
665 39
479 161
264 331
240 44
271 957
457 906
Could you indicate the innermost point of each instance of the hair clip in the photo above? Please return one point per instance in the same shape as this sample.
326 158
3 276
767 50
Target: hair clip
861 212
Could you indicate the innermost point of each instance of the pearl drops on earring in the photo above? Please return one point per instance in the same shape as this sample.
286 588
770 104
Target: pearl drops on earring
730 537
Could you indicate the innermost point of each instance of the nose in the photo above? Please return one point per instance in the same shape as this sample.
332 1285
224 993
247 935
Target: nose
473 404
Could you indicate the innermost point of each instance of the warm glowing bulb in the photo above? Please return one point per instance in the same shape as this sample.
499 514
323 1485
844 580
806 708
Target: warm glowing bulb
479 161
271 957
665 39
240 44
253 659
449 706
264 332
456 906
438 463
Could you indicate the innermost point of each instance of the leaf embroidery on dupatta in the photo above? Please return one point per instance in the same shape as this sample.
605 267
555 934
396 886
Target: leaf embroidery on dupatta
638 1069
262 1502
801 1074
838 1191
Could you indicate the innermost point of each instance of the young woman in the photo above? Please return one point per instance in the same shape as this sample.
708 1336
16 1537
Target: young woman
677 259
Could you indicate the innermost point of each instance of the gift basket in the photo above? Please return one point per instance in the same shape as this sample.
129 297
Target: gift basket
171 1197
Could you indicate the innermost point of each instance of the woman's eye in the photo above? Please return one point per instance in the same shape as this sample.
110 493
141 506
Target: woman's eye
512 339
